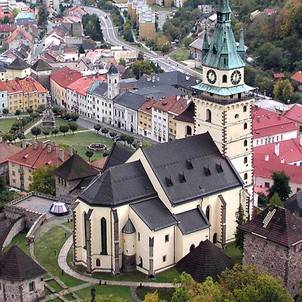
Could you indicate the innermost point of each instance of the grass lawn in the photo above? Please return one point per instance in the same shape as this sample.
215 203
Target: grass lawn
69 297
180 54
54 285
47 249
106 290
164 293
80 141
234 252
5 124
20 241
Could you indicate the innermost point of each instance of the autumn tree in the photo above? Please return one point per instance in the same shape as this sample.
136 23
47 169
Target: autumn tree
44 180
283 90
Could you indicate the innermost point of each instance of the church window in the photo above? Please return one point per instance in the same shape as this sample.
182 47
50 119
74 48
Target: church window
164 258
245 126
98 262
188 130
167 238
245 176
32 286
208 116
237 115
104 236
245 143
245 160
215 238
224 78
208 213
85 229
138 236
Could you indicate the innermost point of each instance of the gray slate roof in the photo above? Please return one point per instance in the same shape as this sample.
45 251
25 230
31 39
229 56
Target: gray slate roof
130 100
154 214
192 221
119 185
41 65
128 227
18 64
191 168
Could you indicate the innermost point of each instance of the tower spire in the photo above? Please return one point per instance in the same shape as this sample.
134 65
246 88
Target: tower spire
206 44
223 6
241 46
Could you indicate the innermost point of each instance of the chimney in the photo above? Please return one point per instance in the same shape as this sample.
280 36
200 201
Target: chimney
277 149
49 148
178 97
266 157
61 154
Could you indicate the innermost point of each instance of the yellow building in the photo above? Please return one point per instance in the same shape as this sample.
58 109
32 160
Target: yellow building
24 93
160 204
18 69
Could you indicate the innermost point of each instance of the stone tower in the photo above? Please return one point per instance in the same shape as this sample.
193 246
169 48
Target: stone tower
129 251
113 80
223 103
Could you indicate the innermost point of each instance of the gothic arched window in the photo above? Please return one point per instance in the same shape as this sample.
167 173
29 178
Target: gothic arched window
103 236
208 116
224 78
188 130
208 213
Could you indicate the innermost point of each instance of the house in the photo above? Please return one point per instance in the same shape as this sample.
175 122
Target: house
21 277
196 48
24 93
295 114
6 150
59 81
297 78
278 76
270 127
17 37
24 18
5 31
272 241
41 71
3 97
146 214
185 122
17 69
73 176
23 164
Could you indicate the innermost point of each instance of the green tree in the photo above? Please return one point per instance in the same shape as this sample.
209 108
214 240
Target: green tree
89 154
275 201
29 110
17 112
44 180
73 126
97 127
64 129
5 111
141 67
152 297
54 131
280 185
35 131
239 235
283 90
92 28
122 61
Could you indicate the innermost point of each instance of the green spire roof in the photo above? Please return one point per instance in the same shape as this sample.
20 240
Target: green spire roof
223 52
206 44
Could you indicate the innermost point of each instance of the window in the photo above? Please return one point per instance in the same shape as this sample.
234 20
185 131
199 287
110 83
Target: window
266 184
32 286
245 176
224 78
167 238
103 236
245 126
208 116
188 130
245 143
192 247
98 262
208 213
244 108
215 238
165 258
245 160
237 115
138 236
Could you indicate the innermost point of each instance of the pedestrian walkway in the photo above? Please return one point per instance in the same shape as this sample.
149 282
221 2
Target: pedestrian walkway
27 131
62 262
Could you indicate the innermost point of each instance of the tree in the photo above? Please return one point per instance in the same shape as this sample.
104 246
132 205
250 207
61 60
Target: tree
152 297
283 90
42 16
17 112
5 194
5 111
130 140
40 109
64 129
105 131
89 154
44 180
29 110
280 185
122 62
97 127
92 28
35 131
54 131
73 126
45 131
112 134
275 201
239 235
141 67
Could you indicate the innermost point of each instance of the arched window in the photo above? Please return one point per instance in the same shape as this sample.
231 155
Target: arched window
103 236
208 213
140 261
245 176
215 238
188 130
245 160
208 116
192 247
245 126
244 108
85 229
237 115
245 143
98 262
224 78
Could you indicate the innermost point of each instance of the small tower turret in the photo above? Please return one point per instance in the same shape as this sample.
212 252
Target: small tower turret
113 80
129 250
206 44
241 46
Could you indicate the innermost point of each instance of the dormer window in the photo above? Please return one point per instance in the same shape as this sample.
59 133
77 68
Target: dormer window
224 78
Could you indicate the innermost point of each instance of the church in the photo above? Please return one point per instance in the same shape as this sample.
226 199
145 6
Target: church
148 213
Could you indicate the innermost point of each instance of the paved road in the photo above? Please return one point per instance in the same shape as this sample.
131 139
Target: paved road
110 36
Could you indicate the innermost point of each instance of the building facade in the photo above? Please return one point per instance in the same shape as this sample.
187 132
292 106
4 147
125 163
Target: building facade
223 104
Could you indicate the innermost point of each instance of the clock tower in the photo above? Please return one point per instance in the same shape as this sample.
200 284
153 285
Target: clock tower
223 102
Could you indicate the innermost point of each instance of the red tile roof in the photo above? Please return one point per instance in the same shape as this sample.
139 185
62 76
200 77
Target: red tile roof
17 33
7 150
82 84
65 76
38 155
297 77
27 85
294 113
290 150
7 28
279 75
147 107
267 123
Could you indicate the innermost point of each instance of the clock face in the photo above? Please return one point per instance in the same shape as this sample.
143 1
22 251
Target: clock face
211 76
236 77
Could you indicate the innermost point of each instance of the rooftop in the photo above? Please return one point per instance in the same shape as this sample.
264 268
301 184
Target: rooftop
41 65
7 150
27 85
18 64
297 77
65 76
294 113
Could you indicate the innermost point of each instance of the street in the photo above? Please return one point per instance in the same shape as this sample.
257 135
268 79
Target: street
110 36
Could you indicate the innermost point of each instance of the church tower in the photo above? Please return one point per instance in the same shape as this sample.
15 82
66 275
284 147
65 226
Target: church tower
223 103
113 84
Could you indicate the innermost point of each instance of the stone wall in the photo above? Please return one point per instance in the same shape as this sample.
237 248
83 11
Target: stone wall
294 269
20 291
14 231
